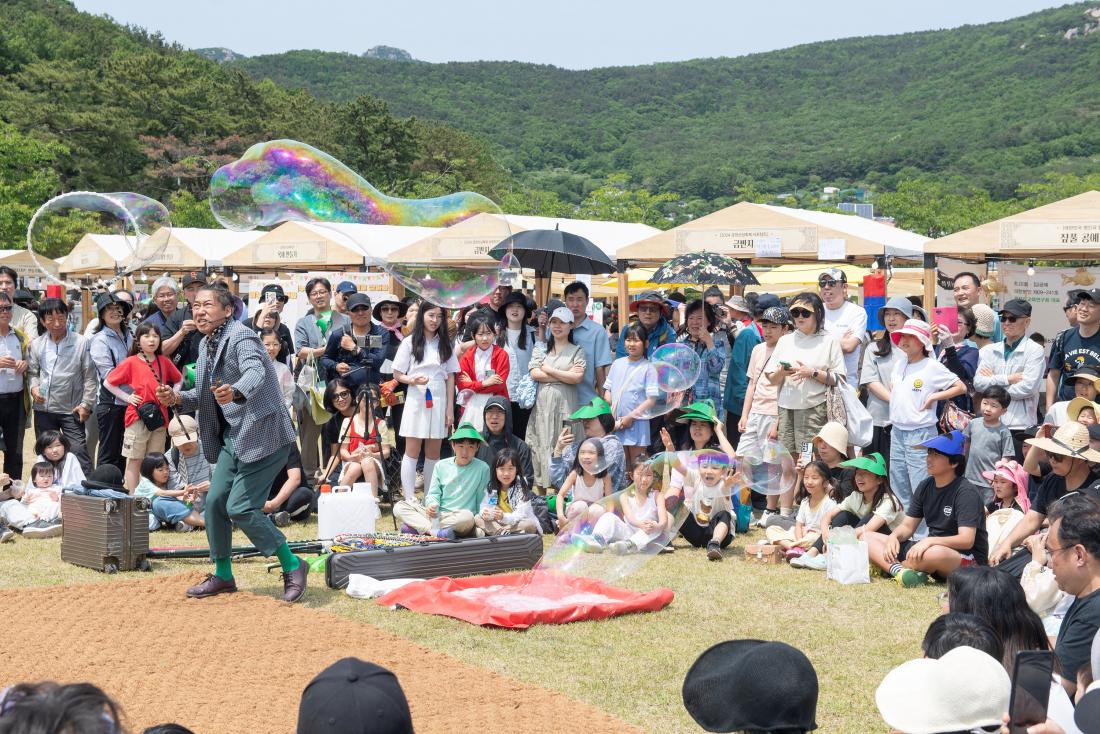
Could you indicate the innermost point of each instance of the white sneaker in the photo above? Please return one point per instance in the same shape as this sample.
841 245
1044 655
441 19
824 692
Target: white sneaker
799 561
764 517
816 563
621 547
588 544
419 483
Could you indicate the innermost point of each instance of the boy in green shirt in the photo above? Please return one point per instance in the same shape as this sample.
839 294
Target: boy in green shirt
455 493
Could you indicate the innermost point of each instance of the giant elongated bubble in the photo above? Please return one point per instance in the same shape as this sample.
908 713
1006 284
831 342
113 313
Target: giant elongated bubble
286 180
141 224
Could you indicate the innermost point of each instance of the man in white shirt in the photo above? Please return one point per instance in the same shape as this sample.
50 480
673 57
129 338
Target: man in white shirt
843 319
1015 364
22 319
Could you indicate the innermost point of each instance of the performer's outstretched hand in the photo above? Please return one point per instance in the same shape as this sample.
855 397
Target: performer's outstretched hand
223 394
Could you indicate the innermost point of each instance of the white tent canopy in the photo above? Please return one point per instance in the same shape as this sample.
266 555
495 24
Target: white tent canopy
899 242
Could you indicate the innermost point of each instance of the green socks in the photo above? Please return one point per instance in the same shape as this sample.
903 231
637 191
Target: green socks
288 560
223 569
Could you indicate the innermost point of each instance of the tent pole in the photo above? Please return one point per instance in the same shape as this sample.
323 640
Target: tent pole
929 283
623 278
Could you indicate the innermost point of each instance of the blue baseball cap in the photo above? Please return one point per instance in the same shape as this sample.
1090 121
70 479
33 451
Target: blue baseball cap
346 286
946 443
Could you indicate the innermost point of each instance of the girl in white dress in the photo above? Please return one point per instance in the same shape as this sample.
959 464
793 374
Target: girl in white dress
425 362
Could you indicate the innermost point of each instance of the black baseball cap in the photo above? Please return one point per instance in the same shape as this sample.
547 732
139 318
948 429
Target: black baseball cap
352 696
357 300
276 289
1017 307
1093 294
195 276
764 301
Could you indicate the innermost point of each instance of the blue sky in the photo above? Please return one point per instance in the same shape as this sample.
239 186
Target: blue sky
575 34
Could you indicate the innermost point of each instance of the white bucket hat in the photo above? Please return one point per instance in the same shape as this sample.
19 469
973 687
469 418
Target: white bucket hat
963 690
835 435
915 327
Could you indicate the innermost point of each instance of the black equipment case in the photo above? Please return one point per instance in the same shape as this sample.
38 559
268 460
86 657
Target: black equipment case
468 557
109 535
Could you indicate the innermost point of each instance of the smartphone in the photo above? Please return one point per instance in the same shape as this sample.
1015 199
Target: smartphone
270 297
566 423
786 365
374 341
807 452
361 342
1031 678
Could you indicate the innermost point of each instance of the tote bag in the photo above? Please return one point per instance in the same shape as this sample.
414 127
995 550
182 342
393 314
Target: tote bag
847 560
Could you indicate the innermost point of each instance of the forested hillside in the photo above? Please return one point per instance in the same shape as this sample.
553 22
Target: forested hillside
997 104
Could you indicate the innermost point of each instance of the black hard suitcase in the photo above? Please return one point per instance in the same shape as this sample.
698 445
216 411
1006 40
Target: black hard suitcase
469 557
109 535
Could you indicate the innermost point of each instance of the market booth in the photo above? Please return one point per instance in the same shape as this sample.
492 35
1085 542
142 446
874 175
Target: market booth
762 234
188 248
468 243
1011 256
25 267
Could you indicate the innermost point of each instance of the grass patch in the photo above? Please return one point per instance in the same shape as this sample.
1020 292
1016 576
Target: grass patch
631 666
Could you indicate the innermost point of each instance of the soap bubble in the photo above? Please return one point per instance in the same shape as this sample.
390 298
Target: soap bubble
678 366
643 397
770 470
138 227
597 541
284 180
448 286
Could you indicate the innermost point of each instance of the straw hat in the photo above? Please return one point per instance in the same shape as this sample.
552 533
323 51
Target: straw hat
1073 410
1071 439
835 435
984 320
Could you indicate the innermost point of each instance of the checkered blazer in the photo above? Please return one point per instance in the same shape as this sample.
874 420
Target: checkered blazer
259 425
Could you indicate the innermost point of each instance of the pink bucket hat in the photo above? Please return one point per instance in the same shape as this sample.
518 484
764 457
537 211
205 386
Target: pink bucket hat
917 328
1013 472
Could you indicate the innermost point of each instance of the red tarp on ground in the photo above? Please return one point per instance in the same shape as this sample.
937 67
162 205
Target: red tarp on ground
519 600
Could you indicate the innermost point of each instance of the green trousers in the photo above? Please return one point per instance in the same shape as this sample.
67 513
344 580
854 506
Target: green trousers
238 491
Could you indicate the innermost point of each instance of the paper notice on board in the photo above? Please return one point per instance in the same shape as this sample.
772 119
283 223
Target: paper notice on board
768 246
830 249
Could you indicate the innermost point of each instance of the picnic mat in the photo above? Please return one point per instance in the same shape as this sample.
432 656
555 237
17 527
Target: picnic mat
239 662
519 600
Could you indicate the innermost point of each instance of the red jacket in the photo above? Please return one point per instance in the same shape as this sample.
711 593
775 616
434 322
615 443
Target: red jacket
466 373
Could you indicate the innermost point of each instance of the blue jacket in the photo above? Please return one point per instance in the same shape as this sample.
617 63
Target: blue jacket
335 354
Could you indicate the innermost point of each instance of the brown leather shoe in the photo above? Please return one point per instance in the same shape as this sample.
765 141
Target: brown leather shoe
294 582
212 586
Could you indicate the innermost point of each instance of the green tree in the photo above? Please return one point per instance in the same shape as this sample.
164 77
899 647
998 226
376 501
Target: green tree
616 202
1055 187
535 203
375 144
936 208
27 180
187 210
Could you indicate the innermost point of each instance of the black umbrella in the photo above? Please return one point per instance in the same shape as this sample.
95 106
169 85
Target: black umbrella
553 251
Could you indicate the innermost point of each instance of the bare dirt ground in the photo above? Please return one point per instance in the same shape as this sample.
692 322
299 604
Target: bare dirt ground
239 662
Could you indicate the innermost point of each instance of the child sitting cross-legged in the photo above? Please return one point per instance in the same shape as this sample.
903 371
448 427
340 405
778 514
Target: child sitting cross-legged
43 496
816 496
169 507
455 492
506 507
708 490
644 518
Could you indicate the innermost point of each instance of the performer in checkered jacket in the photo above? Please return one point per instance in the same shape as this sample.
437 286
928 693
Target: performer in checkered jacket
246 434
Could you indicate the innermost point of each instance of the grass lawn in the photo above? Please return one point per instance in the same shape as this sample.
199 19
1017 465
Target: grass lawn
631 666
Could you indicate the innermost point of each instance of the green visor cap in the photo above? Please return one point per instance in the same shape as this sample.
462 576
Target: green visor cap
595 409
466 431
872 463
702 410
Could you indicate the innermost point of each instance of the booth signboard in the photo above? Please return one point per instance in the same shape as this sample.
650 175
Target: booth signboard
743 241
1050 235
1046 291
289 253
463 248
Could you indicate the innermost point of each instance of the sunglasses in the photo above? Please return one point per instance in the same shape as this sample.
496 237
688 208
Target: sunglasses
828 283
5 309
801 313
341 395
1006 319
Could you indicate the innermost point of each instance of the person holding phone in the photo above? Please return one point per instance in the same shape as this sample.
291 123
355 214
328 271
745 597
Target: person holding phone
356 352
804 363
269 316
